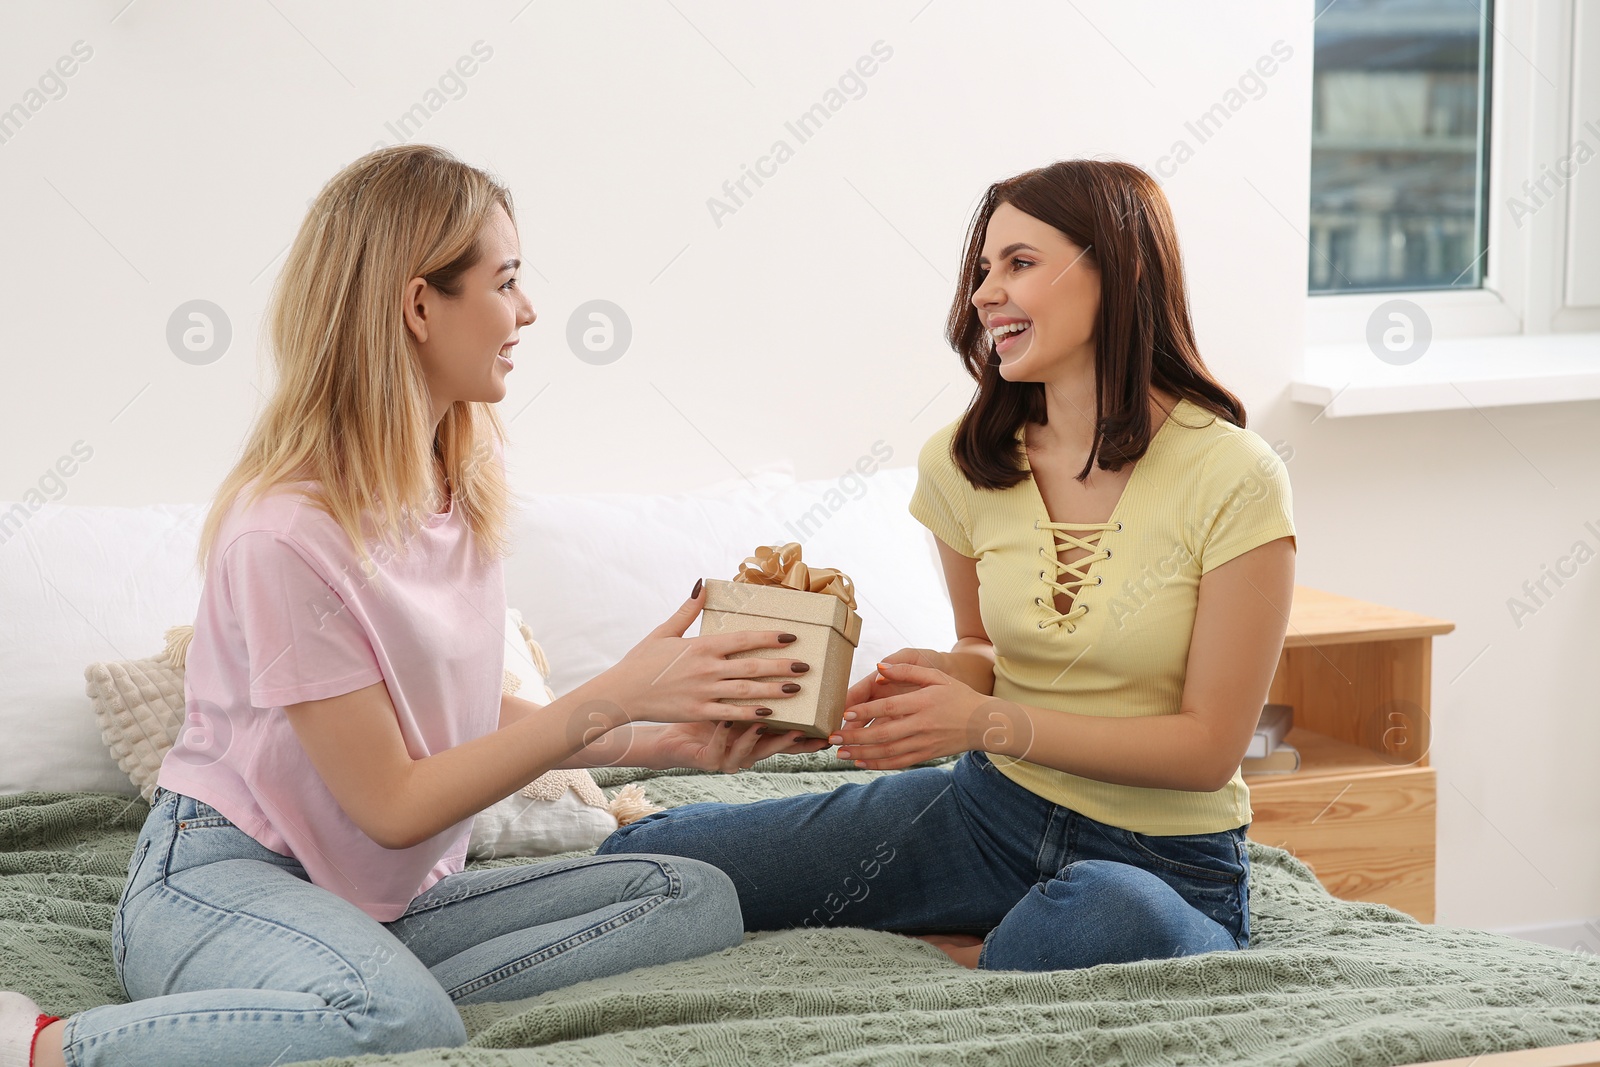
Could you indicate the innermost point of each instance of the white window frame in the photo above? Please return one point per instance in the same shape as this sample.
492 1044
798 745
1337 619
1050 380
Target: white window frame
1491 345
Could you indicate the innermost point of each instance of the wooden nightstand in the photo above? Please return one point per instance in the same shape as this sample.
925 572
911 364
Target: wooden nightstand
1360 811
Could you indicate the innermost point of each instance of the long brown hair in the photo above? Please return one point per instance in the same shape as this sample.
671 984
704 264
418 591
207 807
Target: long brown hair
1143 335
351 410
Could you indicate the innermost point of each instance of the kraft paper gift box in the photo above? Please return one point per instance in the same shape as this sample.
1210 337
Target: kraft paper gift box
775 591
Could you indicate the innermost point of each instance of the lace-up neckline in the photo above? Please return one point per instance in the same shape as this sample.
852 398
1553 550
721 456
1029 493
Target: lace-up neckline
1063 536
1077 568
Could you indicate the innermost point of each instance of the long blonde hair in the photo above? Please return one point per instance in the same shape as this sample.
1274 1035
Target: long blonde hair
351 409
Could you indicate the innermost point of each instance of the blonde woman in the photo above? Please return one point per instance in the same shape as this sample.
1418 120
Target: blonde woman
1119 551
298 889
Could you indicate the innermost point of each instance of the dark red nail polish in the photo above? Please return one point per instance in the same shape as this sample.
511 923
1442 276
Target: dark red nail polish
791 687
787 638
763 711
698 582
799 668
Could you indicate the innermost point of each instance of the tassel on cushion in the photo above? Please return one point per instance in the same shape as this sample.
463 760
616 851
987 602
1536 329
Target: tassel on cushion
630 804
178 638
539 660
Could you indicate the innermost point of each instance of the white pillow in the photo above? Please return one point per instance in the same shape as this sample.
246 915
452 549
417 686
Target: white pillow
605 569
528 826
862 526
600 570
82 584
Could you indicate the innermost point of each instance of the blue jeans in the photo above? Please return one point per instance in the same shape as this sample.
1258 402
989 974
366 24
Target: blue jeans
966 850
230 955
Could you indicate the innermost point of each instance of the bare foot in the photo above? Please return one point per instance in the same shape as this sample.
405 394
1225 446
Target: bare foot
963 948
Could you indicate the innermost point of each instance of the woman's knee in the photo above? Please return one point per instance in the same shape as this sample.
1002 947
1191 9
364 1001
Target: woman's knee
706 901
1100 911
702 896
710 893
404 1013
385 998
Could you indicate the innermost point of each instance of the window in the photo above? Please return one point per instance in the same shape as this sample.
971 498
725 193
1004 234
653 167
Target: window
1399 141
1454 213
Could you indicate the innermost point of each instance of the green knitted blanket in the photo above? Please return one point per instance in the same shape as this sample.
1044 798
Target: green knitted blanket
1324 981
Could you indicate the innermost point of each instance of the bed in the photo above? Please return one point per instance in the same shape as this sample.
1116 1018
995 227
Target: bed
1324 981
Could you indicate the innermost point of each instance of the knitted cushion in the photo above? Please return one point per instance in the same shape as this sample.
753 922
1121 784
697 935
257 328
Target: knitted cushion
139 706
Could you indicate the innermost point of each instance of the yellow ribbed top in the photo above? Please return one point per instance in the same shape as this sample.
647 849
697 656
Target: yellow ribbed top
1205 492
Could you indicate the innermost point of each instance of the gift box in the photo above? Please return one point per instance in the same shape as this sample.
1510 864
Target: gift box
774 590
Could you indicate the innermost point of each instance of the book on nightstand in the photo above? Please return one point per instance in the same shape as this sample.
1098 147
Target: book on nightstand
1276 721
1283 759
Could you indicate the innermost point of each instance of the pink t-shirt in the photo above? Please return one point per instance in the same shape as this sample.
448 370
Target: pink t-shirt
287 614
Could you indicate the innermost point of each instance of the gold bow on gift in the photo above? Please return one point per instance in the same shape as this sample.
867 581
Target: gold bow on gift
782 566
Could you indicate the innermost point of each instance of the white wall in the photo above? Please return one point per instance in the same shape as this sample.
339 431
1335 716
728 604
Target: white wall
807 325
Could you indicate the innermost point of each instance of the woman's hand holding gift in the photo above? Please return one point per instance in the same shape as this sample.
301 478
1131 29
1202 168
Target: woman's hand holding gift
661 705
670 678
906 714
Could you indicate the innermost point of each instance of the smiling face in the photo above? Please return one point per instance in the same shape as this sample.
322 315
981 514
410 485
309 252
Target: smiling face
1038 296
464 341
